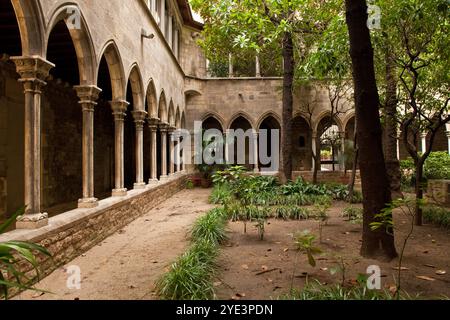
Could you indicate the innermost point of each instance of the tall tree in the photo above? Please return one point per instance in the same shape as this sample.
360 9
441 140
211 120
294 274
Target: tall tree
374 179
422 57
253 25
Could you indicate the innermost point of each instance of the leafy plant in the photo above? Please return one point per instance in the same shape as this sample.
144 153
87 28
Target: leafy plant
221 194
12 253
437 166
319 291
353 214
210 228
304 242
437 215
189 184
407 207
261 220
321 215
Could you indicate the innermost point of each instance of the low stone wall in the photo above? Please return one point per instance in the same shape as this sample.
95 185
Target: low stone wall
439 191
70 234
328 176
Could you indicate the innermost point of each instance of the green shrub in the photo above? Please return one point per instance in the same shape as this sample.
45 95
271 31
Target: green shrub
190 184
190 277
437 166
319 291
221 194
437 215
210 228
353 214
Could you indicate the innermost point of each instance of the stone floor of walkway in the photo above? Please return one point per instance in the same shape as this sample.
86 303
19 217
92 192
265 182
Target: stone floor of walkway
126 265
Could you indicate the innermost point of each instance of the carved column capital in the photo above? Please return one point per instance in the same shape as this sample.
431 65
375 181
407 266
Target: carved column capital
164 127
119 108
139 118
32 68
153 124
88 96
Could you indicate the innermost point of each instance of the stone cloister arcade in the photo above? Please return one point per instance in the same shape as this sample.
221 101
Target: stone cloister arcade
92 127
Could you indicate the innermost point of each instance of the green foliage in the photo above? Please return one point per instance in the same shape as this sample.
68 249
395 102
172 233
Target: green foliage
319 291
437 215
191 276
12 253
437 166
304 242
189 184
228 175
353 214
221 194
210 228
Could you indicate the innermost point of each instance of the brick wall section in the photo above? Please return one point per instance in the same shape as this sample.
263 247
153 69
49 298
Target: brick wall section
73 233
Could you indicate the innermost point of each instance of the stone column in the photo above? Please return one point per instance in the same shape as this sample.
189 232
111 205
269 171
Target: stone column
139 120
164 128
175 43
258 67
170 31
423 137
448 137
172 152
227 147
314 149
162 20
88 96
119 109
153 124
230 66
178 154
255 151
342 158
33 71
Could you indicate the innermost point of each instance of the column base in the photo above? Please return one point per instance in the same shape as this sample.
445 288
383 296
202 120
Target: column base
153 181
139 186
256 170
163 178
32 221
119 192
87 203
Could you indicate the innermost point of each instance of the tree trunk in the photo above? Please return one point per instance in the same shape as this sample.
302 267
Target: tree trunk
390 128
375 183
419 192
287 114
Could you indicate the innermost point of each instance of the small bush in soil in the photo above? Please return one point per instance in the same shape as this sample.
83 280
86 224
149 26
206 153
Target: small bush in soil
437 215
210 228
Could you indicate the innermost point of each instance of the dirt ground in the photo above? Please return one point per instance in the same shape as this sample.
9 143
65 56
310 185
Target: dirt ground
126 265
245 256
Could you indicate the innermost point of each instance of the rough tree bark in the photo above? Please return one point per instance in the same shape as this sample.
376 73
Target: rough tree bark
374 179
287 114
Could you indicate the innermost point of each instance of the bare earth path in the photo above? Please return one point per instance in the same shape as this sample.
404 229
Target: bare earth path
126 265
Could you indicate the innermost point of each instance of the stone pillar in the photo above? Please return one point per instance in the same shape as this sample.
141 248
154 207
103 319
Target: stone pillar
164 128
448 138
88 96
314 149
227 147
258 67
170 32
119 109
176 44
139 120
33 71
423 137
171 152
255 151
342 151
162 20
178 154
153 124
230 66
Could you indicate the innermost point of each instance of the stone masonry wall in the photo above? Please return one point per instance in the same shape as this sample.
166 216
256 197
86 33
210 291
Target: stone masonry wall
67 238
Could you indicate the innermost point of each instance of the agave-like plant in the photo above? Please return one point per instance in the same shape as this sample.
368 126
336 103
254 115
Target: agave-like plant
11 254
